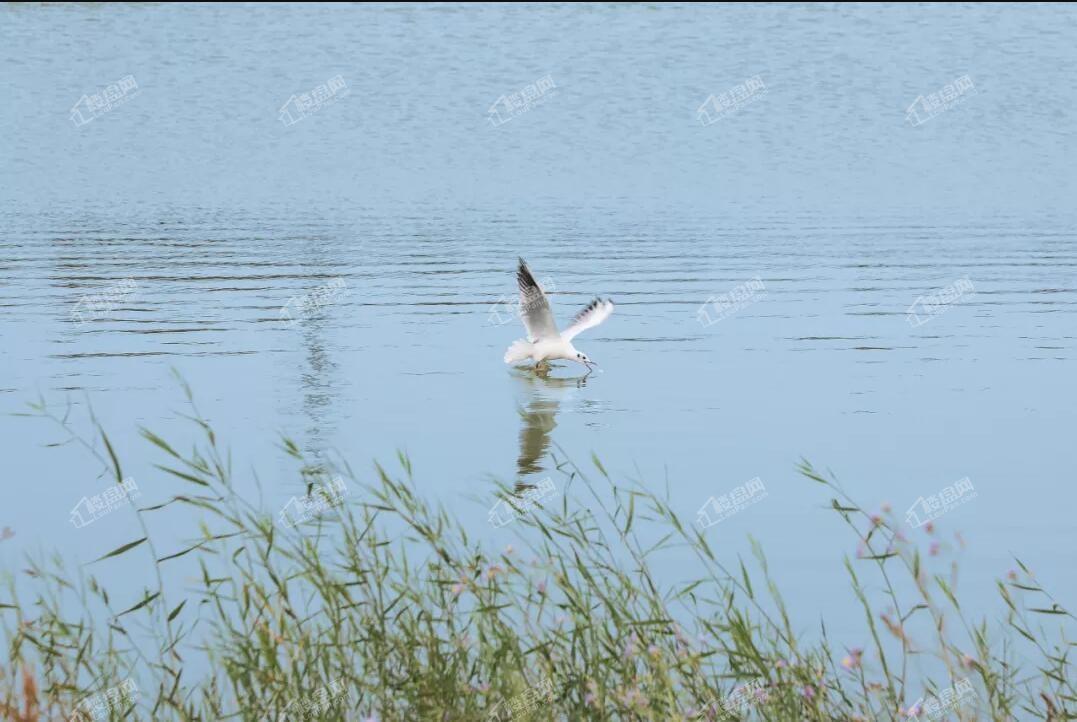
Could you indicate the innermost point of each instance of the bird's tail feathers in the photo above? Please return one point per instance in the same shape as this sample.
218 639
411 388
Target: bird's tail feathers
520 350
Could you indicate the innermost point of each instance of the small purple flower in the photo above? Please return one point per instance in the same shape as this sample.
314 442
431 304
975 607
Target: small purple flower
592 693
852 660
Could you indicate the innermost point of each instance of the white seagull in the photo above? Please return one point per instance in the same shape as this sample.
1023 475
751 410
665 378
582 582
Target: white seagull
544 342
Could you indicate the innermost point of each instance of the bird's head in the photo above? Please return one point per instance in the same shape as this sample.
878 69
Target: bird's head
581 357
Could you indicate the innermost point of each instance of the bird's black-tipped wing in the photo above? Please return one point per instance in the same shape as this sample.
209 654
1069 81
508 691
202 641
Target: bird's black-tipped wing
534 306
595 313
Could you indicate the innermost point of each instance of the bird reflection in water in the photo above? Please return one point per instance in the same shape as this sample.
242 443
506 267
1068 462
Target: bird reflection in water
542 395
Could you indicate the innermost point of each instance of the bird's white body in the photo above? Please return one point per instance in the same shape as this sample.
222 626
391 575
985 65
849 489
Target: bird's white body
546 349
550 349
544 342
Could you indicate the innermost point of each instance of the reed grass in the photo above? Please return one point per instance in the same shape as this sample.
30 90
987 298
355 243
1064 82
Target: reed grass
388 608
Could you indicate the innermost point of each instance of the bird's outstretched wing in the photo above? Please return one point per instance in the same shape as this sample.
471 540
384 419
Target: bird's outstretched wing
534 306
596 312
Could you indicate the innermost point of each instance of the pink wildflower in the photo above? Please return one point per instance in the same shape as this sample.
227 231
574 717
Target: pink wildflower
852 660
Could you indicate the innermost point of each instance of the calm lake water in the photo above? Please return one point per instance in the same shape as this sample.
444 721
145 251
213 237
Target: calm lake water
169 230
